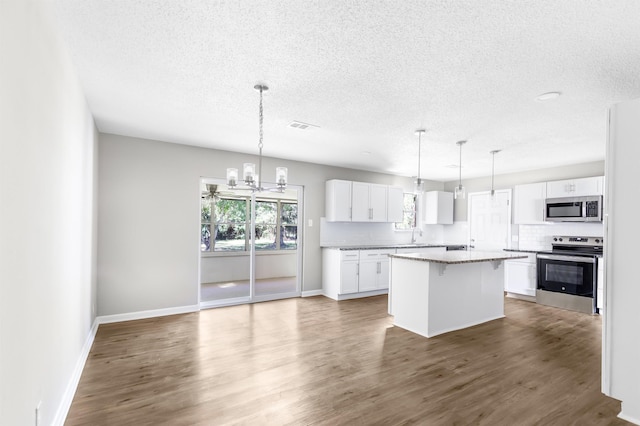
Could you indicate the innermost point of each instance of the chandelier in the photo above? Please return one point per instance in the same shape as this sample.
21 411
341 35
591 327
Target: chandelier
251 179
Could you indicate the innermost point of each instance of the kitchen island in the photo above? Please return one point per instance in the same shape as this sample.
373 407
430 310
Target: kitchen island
434 293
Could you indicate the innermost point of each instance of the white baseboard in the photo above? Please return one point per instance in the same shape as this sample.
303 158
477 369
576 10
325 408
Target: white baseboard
630 419
70 391
130 316
311 293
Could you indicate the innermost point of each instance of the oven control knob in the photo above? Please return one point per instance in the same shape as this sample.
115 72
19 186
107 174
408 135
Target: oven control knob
560 239
555 239
597 240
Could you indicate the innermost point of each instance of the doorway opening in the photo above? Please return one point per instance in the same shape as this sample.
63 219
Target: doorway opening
250 244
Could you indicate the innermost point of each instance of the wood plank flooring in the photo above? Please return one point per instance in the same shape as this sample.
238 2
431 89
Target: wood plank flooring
315 361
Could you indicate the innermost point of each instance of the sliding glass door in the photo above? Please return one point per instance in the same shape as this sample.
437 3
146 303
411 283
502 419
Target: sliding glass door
249 245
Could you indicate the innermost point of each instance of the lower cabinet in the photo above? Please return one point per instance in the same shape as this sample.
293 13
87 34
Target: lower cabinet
374 269
348 274
520 276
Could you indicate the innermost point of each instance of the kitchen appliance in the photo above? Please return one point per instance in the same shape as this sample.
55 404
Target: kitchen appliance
573 209
567 275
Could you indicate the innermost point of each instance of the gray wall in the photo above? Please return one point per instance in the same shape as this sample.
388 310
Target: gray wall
510 180
47 217
149 218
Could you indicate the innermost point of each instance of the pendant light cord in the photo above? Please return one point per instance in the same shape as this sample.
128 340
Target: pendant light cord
260 144
460 167
419 153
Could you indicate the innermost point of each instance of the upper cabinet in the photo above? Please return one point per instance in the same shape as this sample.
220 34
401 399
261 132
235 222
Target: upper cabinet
576 187
348 201
395 204
338 200
529 203
438 208
528 206
368 202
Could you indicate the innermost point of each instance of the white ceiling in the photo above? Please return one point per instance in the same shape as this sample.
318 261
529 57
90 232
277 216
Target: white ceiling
367 73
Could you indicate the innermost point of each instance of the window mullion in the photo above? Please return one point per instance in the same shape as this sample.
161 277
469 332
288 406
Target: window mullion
278 223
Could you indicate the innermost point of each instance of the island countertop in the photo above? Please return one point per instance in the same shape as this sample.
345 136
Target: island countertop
454 257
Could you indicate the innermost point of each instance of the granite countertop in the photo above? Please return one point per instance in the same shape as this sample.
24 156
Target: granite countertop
387 246
452 257
526 251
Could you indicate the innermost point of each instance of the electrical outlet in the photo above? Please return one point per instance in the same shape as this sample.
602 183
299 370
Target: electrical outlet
38 414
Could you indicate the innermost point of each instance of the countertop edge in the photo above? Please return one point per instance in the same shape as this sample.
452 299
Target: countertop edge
390 246
424 258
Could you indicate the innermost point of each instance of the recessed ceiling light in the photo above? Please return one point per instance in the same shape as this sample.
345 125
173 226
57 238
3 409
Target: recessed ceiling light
366 152
547 96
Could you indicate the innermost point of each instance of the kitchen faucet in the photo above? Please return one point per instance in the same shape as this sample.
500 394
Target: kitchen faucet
413 234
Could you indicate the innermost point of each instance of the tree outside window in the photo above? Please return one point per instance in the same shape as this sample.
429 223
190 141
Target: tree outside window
289 226
225 223
409 212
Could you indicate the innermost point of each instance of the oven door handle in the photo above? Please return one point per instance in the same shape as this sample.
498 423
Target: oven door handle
578 259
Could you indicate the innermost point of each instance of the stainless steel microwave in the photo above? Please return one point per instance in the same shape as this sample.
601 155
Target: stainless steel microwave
573 209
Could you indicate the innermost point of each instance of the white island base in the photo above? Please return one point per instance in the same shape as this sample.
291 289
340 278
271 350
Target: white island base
430 297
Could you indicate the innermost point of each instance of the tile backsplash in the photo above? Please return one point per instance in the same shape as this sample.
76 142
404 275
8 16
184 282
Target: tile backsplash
538 237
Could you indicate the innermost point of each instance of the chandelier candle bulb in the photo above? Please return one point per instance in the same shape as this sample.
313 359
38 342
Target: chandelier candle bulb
232 177
281 176
249 172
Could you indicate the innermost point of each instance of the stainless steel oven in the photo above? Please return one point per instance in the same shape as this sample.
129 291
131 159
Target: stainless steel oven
567 276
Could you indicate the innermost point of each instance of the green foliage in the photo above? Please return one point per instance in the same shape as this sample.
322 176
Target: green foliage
231 211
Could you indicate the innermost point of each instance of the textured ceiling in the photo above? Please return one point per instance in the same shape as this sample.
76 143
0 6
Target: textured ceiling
366 73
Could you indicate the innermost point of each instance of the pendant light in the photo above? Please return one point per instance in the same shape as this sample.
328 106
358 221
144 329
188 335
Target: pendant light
460 192
493 169
252 180
419 183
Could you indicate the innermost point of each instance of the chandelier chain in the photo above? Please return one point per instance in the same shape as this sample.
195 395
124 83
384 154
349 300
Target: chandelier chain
261 115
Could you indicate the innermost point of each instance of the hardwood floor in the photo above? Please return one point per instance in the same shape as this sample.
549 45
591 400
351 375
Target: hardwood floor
321 362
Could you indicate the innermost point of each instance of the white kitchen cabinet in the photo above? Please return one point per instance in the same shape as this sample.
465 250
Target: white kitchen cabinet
529 203
338 200
576 187
438 208
374 269
348 274
368 202
395 204
520 276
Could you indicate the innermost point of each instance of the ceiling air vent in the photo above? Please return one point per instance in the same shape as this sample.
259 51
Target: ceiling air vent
302 126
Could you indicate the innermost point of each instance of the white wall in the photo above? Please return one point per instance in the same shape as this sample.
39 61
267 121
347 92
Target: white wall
149 213
47 256
621 349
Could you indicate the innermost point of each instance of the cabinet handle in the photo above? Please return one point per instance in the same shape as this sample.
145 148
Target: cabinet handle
370 213
358 269
379 266
350 212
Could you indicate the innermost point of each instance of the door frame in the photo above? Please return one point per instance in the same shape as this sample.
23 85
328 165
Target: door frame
252 298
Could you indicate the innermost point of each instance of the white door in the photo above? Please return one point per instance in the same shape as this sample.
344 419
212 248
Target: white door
489 220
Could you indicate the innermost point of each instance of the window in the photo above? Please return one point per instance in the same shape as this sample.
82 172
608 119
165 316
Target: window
409 213
225 222
288 225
